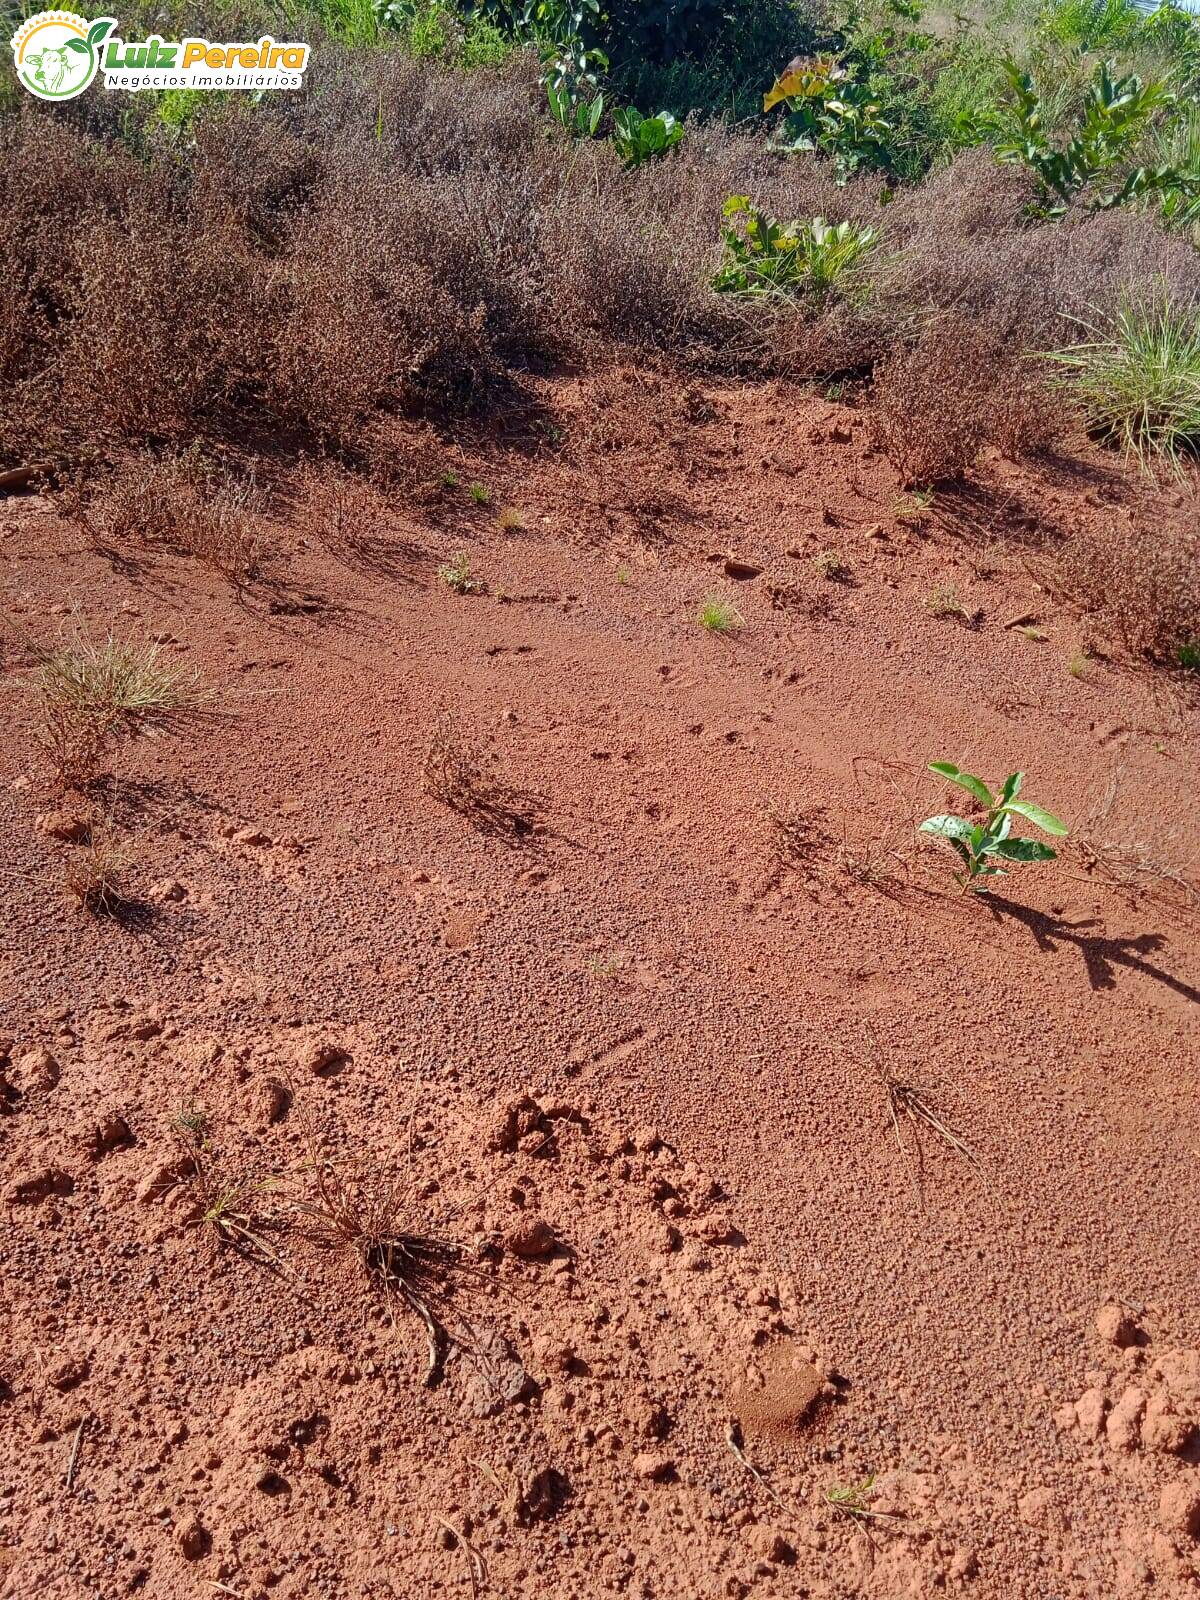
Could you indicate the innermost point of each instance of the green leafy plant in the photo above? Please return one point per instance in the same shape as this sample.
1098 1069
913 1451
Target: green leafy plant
480 494
571 67
637 139
979 845
830 110
1137 379
456 575
766 257
1113 119
574 114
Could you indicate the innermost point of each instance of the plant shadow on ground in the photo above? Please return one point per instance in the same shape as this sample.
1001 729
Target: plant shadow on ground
1065 471
155 800
1101 955
977 514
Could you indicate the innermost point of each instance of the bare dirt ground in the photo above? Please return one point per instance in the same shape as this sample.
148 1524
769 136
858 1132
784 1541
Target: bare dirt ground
629 1031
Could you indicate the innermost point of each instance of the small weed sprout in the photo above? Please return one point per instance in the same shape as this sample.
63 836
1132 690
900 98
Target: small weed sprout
450 480
606 966
979 845
480 494
718 615
456 575
225 1205
851 1501
624 576
831 567
191 1123
912 509
511 520
943 601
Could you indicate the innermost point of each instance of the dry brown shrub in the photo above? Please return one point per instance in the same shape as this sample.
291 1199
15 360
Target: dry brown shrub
185 504
958 242
1141 581
957 388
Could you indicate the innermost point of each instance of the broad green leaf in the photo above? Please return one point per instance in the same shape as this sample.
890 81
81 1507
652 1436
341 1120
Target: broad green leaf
98 30
964 780
999 828
1022 850
78 46
1012 785
947 827
1046 820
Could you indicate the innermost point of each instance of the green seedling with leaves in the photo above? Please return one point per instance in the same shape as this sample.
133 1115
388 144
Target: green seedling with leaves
766 257
1091 166
979 845
637 138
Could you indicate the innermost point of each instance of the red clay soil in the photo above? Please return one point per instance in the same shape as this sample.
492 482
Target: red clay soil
643 1063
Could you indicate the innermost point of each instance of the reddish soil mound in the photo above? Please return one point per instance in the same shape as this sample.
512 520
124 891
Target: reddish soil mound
623 1016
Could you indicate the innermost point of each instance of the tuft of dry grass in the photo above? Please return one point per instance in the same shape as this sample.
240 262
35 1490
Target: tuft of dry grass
188 505
958 387
94 876
367 1220
1141 580
914 1105
511 519
90 693
801 839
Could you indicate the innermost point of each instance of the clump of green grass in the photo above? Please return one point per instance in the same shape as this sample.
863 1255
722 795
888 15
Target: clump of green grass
89 693
480 494
1137 380
456 575
718 615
